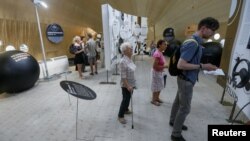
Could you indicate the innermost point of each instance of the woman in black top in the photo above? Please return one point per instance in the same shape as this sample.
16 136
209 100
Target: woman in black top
78 51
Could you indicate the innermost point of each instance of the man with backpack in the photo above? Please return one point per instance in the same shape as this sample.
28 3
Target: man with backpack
189 63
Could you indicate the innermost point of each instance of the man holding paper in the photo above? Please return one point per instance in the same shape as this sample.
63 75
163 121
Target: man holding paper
191 66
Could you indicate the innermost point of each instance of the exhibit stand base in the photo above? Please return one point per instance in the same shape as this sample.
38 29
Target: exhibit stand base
116 71
112 83
107 82
235 121
50 78
55 76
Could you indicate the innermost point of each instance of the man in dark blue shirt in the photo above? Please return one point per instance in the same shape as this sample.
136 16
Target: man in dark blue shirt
189 62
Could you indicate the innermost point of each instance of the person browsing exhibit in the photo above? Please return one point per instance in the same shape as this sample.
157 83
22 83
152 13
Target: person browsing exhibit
127 68
190 65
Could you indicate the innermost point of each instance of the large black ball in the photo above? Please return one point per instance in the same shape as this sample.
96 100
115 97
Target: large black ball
19 71
212 53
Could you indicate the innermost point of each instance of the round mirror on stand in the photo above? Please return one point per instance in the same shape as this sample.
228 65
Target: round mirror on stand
24 48
9 48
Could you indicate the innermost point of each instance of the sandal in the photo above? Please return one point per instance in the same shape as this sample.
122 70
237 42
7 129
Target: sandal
156 103
159 100
81 77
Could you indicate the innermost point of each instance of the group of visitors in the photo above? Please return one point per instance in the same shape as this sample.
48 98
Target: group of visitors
190 65
85 54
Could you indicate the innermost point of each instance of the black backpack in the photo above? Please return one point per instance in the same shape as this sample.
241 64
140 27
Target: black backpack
71 49
173 61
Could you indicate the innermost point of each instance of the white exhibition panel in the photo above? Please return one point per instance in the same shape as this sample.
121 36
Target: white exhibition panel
120 26
56 65
106 36
241 52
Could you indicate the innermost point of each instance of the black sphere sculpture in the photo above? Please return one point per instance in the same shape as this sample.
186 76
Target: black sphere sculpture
19 71
211 53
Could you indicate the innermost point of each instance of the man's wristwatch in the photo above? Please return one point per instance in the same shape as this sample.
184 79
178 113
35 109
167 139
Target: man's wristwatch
200 66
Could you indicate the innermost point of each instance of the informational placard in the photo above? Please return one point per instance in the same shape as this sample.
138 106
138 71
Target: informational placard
78 90
20 56
238 85
54 33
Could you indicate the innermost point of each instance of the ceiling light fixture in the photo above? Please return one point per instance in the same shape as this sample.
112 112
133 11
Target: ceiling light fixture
217 36
40 3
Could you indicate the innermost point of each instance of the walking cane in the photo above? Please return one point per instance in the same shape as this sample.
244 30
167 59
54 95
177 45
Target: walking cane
132 109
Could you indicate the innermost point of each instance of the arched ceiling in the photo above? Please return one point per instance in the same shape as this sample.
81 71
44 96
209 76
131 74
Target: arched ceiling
161 13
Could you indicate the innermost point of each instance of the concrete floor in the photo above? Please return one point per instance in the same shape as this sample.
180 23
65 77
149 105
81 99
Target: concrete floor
45 112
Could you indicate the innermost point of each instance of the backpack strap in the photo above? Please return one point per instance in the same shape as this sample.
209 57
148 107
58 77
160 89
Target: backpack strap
193 40
190 40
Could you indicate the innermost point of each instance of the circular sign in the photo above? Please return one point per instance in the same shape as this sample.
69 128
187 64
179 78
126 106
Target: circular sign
54 33
78 90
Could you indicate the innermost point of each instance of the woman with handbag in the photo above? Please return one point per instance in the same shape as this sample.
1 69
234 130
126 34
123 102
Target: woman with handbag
157 72
78 51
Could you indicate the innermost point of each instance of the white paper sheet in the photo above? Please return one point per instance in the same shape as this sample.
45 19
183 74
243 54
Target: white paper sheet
216 72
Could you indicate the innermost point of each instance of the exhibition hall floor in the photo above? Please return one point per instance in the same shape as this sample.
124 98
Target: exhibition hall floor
46 113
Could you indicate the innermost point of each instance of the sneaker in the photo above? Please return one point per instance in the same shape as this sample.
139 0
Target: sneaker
173 138
122 120
128 112
91 73
96 72
184 127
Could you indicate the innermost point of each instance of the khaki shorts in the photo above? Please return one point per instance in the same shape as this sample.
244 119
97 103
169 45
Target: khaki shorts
92 59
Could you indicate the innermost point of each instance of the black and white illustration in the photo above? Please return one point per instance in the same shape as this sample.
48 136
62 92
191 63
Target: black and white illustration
120 27
239 71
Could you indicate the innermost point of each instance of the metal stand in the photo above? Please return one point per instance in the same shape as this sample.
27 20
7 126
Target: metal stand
107 82
76 117
232 112
239 113
141 54
224 91
142 57
223 94
50 78
133 58
116 70
66 78
42 46
77 121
